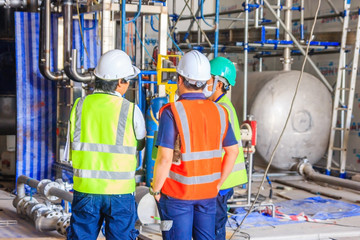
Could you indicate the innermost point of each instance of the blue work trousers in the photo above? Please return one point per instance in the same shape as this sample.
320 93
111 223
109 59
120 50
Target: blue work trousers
191 218
90 210
221 214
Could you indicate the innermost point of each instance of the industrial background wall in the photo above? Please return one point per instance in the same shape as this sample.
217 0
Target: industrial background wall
36 101
327 29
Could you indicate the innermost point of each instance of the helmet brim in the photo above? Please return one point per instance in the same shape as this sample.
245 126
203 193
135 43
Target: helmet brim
136 72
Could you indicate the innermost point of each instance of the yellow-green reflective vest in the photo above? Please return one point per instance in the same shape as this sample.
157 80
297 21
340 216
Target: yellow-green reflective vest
238 175
103 144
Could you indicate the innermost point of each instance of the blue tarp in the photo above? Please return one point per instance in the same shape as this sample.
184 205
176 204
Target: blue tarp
315 207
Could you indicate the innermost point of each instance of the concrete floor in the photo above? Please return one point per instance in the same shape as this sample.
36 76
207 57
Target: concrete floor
346 228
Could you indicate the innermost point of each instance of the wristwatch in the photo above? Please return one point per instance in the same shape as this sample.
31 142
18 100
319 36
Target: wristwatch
151 191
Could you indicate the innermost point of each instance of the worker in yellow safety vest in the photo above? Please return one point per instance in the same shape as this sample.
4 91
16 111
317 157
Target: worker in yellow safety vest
106 130
223 75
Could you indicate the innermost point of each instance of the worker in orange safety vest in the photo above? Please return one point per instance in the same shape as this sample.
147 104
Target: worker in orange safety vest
186 187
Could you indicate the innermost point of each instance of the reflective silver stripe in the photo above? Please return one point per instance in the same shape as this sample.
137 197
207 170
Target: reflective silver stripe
229 111
82 173
222 122
184 124
238 167
190 156
240 144
195 180
77 131
122 122
95 147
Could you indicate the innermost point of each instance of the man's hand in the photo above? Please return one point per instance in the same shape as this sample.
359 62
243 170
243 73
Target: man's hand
157 197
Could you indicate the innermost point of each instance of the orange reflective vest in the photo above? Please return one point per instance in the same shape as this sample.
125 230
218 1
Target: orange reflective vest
202 126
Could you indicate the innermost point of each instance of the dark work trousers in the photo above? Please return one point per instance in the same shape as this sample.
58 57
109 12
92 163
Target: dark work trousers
90 210
221 214
191 218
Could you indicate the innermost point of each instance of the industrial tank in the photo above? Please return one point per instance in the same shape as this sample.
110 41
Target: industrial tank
269 100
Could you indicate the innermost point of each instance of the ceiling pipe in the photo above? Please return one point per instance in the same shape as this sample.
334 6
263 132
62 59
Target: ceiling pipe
306 169
70 55
44 45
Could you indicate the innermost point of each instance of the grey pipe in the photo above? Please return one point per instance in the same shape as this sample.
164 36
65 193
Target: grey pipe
70 55
21 181
44 46
288 23
53 191
44 224
307 170
61 194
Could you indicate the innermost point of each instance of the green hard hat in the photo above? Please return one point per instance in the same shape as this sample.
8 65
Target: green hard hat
223 67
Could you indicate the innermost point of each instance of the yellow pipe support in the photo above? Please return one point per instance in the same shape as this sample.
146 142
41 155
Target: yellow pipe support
170 89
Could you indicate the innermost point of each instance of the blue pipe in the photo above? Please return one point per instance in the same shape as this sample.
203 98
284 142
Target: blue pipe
137 14
301 31
148 72
202 13
152 24
123 22
217 8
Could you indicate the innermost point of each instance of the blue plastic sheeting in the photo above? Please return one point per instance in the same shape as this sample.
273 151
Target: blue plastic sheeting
36 101
316 208
319 208
36 96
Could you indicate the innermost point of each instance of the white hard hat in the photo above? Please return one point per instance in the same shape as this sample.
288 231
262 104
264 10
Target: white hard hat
115 64
195 66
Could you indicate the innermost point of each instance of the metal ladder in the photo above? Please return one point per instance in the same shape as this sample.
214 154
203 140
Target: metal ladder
344 105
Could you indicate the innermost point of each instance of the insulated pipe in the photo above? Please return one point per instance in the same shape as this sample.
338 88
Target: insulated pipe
44 46
44 224
307 170
61 194
70 55
45 190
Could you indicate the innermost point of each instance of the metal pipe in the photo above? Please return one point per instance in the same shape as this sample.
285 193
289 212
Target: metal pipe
331 4
42 189
302 37
44 224
323 79
61 194
123 22
70 55
217 9
307 170
44 46
257 14
213 14
246 50
278 12
73 73
288 24
68 34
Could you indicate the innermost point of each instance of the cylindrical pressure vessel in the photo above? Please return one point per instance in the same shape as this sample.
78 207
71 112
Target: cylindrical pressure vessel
269 99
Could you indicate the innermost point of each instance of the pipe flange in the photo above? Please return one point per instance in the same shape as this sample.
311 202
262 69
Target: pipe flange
47 187
52 214
42 184
36 210
29 208
63 224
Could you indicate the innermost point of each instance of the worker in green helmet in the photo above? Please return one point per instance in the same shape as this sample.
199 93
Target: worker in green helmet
223 74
